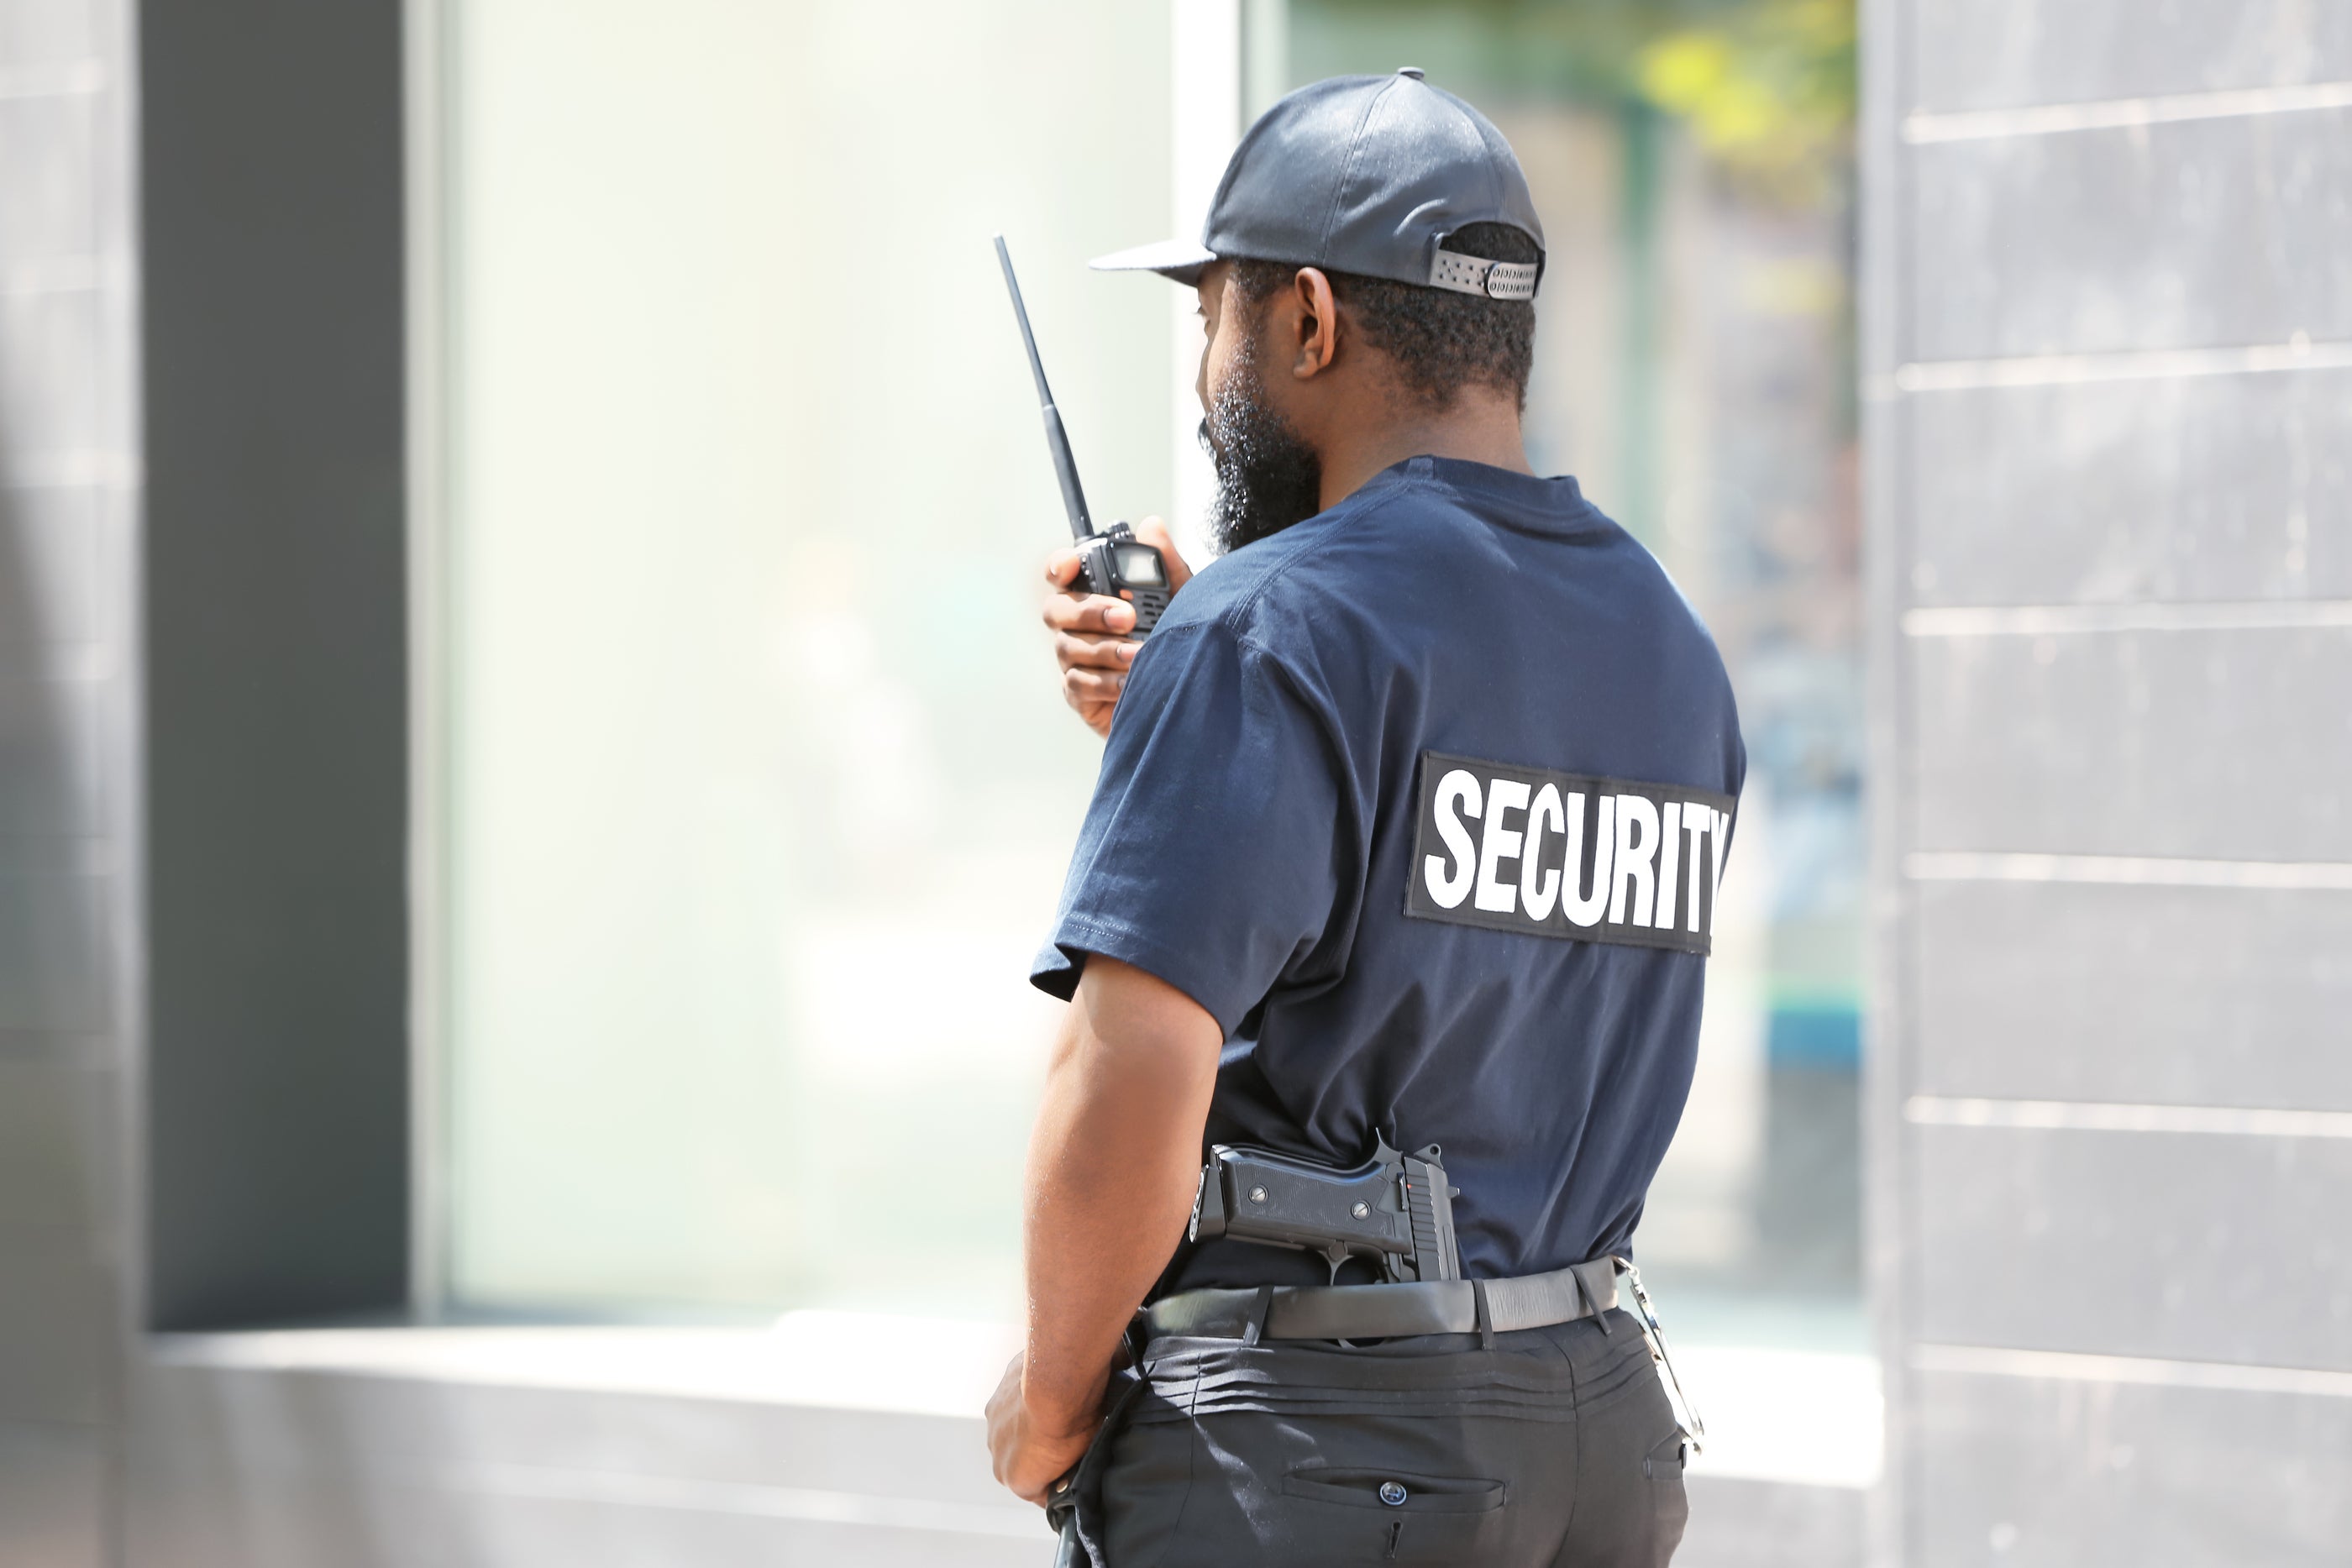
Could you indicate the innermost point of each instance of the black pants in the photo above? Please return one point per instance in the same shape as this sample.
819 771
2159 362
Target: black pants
1555 1449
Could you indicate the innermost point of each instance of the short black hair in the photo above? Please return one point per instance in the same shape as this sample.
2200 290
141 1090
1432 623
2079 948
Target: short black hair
1440 341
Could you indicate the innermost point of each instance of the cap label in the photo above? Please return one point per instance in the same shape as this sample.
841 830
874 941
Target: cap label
1476 275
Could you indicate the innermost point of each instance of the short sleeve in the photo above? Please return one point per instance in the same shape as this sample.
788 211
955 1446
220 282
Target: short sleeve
1210 855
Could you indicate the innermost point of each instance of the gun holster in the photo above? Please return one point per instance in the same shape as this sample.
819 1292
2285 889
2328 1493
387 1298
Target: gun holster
1394 1209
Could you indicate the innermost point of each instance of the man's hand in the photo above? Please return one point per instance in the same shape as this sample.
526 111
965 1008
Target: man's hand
1028 1458
1089 630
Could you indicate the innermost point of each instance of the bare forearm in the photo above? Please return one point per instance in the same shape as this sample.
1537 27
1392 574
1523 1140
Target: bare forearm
1112 1168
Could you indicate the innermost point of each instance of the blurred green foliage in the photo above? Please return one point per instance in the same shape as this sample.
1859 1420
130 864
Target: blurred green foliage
1767 86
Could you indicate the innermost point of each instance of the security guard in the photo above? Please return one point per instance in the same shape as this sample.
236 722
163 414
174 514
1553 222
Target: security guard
1407 833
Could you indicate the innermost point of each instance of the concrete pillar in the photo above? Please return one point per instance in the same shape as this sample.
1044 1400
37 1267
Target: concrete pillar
2108 346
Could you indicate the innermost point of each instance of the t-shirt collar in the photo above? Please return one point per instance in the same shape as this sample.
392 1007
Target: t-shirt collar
1558 499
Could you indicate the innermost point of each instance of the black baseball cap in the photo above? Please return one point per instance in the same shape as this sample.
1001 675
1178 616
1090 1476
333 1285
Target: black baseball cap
1368 175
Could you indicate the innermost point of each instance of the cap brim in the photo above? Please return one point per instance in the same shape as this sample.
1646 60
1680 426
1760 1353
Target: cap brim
1180 260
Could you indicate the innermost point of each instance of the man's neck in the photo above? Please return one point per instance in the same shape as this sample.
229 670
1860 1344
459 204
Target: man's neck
1481 426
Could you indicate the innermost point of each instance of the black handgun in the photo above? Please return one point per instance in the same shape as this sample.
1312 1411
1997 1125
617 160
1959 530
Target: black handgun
1395 1209
1112 562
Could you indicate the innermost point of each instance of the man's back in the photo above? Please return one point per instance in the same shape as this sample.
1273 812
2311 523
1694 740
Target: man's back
1276 735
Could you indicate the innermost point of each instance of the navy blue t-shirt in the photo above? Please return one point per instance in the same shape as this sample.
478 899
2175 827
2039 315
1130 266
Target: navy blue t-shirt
1425 799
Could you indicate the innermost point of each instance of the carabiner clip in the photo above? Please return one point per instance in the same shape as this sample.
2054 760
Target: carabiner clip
1687 1417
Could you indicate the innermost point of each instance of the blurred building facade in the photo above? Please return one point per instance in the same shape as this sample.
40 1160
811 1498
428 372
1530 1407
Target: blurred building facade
326 402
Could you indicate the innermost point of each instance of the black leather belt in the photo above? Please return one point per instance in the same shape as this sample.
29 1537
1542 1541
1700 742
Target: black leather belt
1482 1307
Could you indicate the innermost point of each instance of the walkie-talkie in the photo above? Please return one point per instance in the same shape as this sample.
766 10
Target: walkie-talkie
1112 562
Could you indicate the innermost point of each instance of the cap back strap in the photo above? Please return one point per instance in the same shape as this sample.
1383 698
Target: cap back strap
1476 275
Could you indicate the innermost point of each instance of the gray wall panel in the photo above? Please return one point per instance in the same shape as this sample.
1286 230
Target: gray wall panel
58 1313
2172 236
2032 1474
36 33
67 567
276 738
57 1145
2229 744
49 758
2004 54
48 213
52 1497
2142 1244
52 396
2174 995
50 584
2204 488
53 969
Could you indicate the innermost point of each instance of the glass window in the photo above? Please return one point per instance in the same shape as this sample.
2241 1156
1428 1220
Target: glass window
757 787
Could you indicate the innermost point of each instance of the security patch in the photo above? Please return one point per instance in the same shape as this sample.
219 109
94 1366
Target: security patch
1558 855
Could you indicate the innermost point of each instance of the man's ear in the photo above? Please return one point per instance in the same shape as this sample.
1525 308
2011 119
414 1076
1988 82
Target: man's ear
1319 323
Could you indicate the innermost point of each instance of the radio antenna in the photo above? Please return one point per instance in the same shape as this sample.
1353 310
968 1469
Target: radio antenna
1057 440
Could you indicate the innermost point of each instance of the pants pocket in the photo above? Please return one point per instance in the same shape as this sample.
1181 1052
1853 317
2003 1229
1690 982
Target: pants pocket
1394 1515
1669 1501
1394 1491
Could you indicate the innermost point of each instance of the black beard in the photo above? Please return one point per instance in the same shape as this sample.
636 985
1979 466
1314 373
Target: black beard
1267 476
